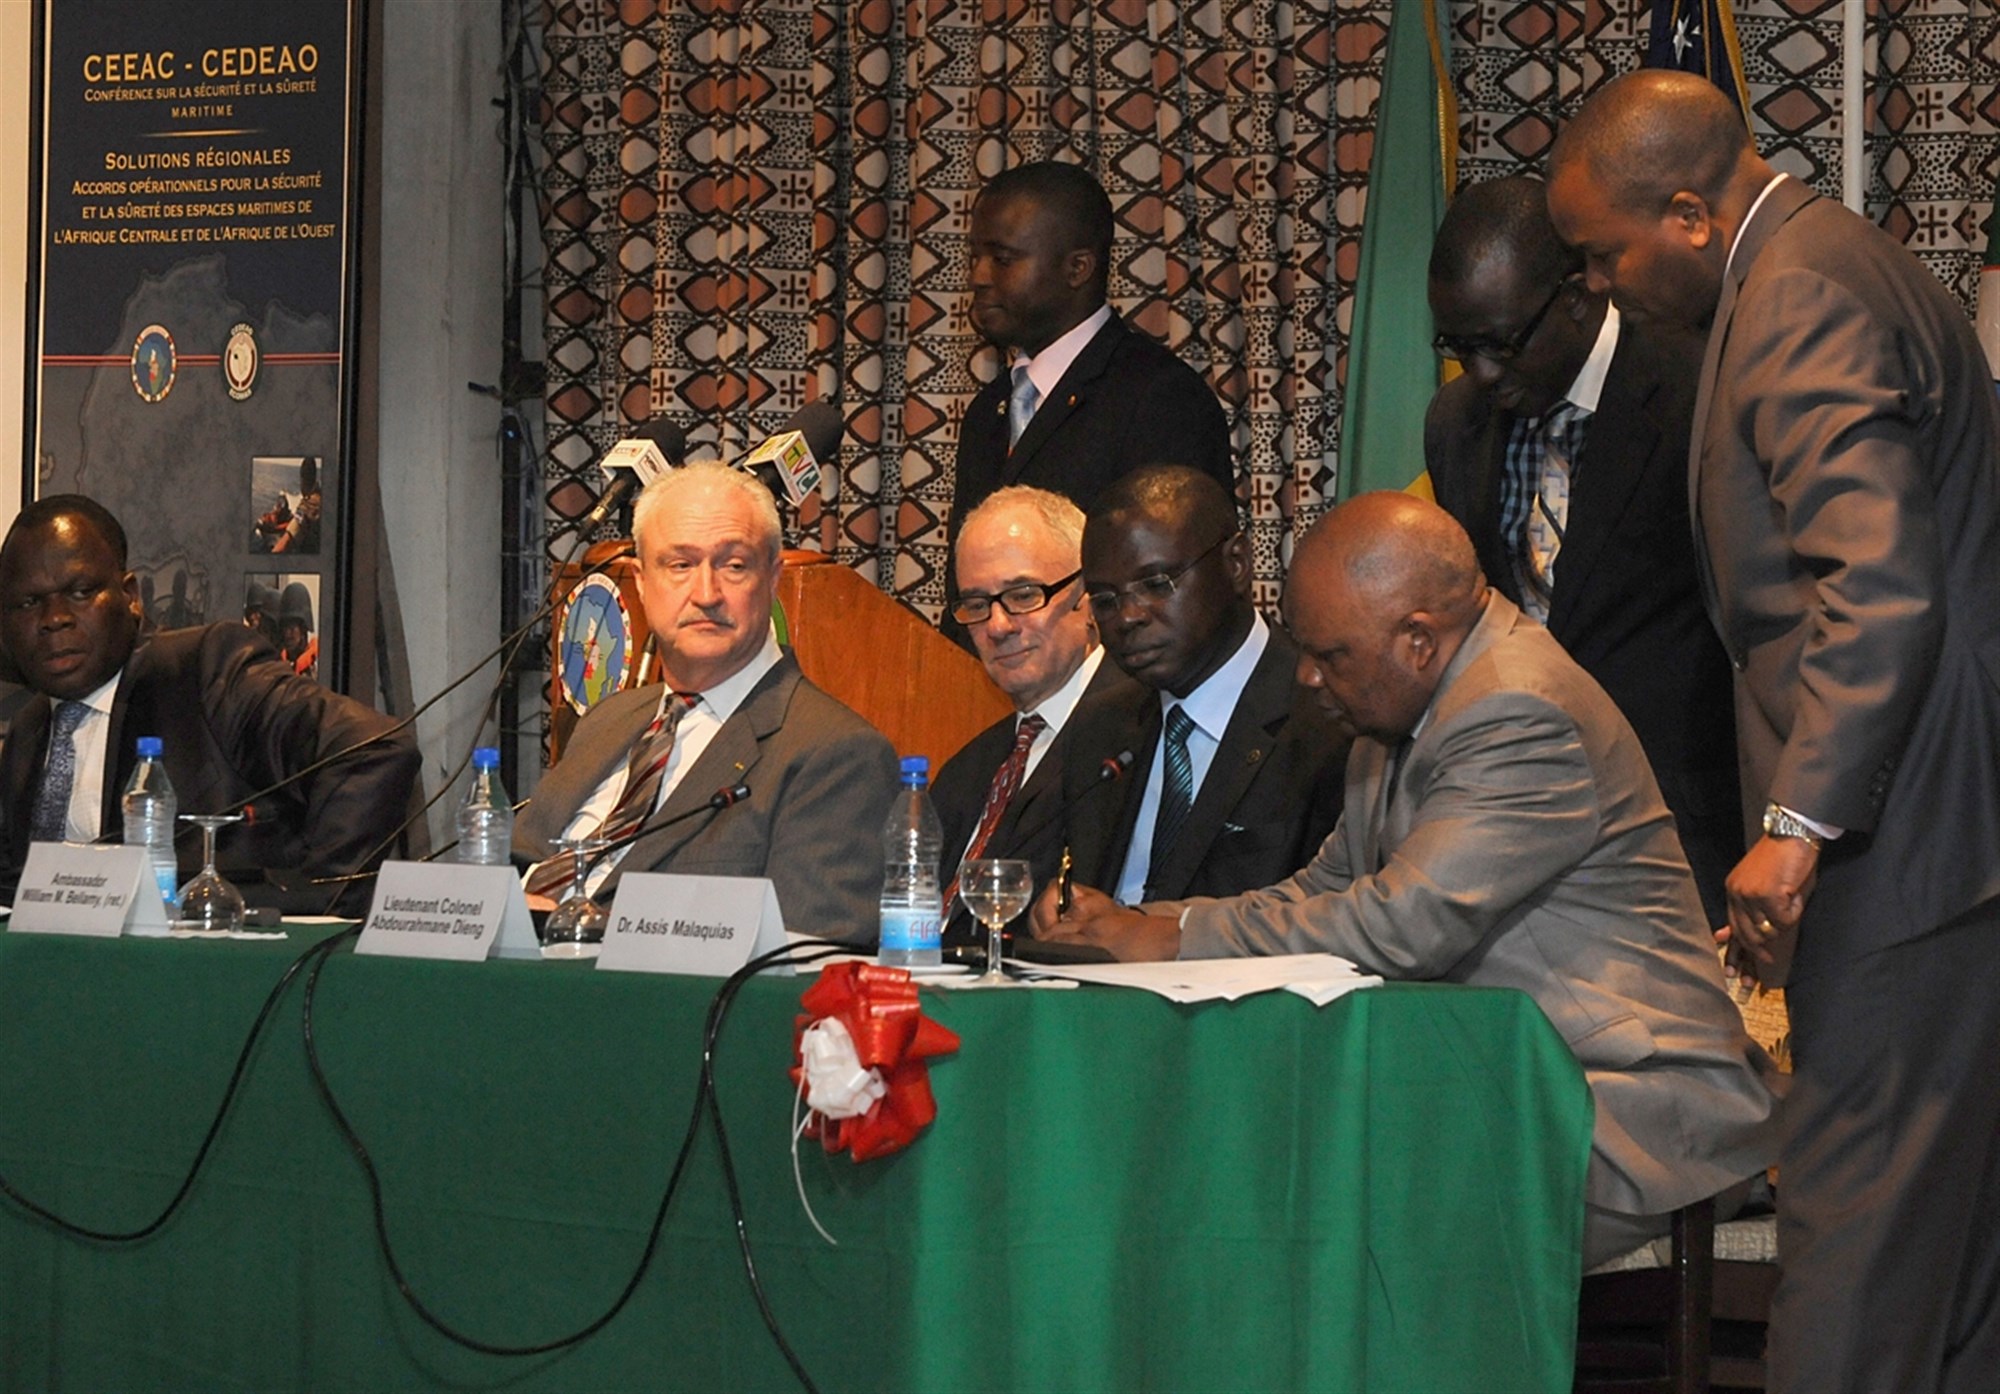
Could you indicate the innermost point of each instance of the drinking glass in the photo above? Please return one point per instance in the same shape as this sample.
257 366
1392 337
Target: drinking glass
995 890
209 902
575 928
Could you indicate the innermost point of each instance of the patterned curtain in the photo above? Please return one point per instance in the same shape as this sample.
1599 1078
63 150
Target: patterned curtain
753 204
1933 86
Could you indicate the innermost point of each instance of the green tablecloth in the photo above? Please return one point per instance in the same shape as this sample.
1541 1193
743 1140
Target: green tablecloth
1119 1193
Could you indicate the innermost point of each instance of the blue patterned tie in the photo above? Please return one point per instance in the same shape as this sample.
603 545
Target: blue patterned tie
51 818
1176 791
1021 403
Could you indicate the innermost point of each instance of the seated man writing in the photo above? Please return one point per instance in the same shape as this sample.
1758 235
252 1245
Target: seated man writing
734 709
1501 827
233 719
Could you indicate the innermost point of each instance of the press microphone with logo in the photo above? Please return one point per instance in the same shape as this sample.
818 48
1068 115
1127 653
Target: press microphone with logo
632 464
789 462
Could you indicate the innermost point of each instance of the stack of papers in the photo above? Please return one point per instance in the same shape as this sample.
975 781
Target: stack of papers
1319 978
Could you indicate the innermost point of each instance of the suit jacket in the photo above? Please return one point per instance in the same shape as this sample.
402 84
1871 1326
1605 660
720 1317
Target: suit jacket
821 780
1843 490
1627 602
1032 827
1525 845
233 718
1272 792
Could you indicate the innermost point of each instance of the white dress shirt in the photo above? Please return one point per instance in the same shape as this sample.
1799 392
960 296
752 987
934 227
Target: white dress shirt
85 821
1046 368
1058 707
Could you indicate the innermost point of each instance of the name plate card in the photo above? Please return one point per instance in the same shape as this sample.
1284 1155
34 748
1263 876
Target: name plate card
444 910
71 888
707 926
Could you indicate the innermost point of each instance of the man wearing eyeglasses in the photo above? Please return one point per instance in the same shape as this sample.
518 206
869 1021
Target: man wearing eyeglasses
1020 596
1236 773
1562 450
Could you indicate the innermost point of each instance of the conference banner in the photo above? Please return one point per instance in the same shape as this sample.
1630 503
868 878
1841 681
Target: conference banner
192 300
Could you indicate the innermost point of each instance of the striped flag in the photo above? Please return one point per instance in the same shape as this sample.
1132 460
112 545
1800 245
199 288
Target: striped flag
1699 36
1989 293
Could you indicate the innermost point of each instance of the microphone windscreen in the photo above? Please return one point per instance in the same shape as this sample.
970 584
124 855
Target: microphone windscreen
669 437
822 425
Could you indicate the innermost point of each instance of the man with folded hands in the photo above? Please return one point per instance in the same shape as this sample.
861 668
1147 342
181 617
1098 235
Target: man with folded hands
1501 827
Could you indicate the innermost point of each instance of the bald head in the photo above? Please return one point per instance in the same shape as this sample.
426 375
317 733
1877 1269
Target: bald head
1651 182
1382 592
1643 137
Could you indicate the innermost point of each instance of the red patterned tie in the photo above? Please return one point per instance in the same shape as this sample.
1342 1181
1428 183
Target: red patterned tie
1006 783
642 789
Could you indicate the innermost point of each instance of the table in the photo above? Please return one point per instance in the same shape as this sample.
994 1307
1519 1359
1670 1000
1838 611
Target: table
1119 1193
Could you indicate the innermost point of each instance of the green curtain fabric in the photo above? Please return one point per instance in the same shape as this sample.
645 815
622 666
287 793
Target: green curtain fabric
1391 370
1119 1193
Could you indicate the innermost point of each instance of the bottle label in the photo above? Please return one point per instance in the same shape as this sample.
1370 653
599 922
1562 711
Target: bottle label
169 889
910 930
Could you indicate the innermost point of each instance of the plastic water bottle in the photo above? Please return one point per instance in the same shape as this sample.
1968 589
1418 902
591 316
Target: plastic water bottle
912 905
486 817
149 809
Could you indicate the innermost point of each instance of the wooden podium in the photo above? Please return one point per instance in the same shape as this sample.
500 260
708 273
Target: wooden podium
876 654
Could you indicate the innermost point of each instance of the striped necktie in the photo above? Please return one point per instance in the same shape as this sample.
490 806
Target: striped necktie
1021 403
1006 783
1176 792
51 817
1548 514
648 767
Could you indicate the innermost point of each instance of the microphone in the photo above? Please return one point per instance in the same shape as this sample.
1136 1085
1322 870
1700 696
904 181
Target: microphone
788 463
633 463
725 797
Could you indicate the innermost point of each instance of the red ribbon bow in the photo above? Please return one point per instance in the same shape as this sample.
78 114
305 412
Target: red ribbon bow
878 1006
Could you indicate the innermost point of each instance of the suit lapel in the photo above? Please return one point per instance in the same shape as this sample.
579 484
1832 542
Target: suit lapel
728 760
1070 392
1260 713
1608 475
25 752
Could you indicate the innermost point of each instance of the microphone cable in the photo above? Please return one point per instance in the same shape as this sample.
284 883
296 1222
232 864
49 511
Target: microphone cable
146 1231
704 1106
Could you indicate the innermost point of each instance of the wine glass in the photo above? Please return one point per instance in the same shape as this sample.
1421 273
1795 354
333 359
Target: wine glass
209 902
575 928
995 890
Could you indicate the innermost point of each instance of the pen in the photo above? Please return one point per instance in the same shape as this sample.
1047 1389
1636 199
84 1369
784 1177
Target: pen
1063 884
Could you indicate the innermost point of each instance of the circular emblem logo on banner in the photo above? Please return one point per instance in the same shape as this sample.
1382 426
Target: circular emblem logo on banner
595 643
239 362
153 363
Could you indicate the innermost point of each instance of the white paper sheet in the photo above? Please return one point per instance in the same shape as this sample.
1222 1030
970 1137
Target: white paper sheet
1319 978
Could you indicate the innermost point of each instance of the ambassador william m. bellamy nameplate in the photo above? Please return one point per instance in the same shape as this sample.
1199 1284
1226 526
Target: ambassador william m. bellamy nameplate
74 888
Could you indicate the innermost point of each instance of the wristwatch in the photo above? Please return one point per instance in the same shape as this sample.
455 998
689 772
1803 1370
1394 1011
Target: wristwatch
1782 822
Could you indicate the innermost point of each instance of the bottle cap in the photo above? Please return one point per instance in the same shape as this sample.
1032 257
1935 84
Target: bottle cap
150 747
916 769
486 757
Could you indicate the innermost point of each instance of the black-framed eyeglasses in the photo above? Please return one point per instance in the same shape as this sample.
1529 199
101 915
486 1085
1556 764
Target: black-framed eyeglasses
1106 601
1023 599
1498 350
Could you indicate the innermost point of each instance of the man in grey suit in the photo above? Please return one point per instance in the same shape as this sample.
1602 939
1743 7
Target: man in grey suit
1502 827
1843 485
734 709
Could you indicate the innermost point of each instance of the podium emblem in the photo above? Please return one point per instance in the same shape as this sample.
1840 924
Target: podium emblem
595 643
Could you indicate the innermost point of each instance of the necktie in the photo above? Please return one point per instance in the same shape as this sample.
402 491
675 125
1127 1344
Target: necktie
1006 783
1176 791
1021 403
1548 518
643 774
51 816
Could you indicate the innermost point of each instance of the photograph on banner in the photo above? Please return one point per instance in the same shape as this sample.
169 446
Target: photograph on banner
284 607
192 289
287 497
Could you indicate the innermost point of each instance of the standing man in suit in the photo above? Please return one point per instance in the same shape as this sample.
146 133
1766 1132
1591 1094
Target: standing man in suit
1236 773
1502 828
1844 496
233 719
1562 450
1086 397
1020 596
733 709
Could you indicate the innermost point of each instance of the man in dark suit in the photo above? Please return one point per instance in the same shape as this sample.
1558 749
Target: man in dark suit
1501 829
232 717
734 709
1086 397
1562 449
1236 773
1844 494
1020 595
